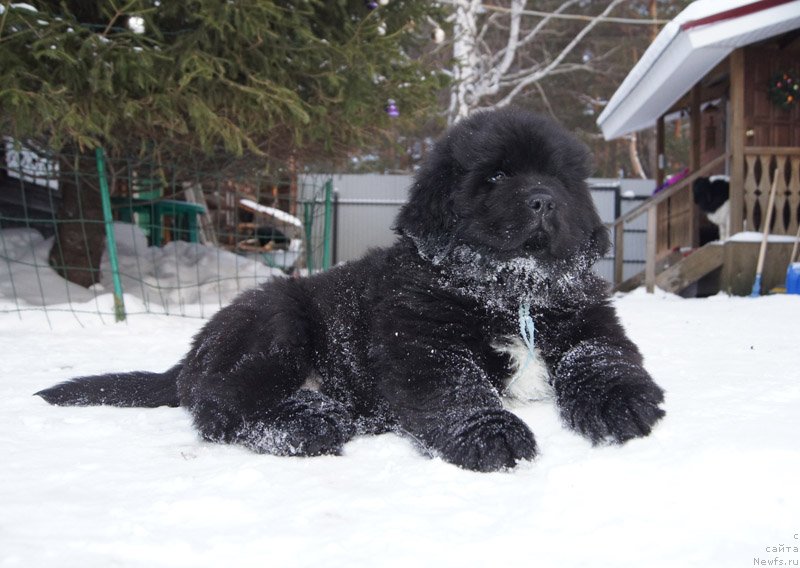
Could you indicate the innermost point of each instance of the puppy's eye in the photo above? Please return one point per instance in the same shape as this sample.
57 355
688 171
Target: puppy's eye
497 176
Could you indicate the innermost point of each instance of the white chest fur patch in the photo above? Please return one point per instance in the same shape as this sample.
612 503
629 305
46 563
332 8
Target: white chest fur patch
530 380
722 217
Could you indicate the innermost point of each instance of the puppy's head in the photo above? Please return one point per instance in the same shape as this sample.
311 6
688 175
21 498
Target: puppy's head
710 193
509 184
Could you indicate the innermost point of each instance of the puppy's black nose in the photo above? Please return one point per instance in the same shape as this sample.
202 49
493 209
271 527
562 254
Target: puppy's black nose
541 204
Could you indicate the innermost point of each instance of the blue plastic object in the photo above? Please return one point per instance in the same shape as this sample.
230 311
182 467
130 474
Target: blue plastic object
756 291
793 278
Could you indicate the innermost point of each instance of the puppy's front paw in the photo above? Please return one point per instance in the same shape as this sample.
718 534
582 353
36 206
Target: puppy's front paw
487 440
617 413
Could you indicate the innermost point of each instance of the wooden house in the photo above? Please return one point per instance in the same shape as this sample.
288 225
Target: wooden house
720 62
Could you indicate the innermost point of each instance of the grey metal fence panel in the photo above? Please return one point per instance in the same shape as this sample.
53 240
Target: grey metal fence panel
635 238
362 224
605 194
372 186
368 203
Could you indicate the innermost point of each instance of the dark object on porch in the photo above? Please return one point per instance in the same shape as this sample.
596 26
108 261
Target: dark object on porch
711 195
268 234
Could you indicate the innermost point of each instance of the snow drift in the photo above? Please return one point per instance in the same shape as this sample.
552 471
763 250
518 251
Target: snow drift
165 279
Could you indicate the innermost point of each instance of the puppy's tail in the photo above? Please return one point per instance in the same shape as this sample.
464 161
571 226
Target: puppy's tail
139 388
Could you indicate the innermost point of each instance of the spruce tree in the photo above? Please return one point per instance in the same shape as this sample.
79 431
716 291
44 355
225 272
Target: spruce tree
229 83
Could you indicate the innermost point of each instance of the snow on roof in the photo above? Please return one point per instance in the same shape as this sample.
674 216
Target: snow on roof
687 48
271 211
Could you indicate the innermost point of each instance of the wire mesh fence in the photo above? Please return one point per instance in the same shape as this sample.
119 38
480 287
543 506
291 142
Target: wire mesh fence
88 235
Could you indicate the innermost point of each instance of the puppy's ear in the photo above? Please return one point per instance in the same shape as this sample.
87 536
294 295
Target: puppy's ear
428 216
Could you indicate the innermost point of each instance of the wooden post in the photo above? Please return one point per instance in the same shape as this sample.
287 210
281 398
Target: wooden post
737 135
650 251
661 158
193 193
696 123
662 233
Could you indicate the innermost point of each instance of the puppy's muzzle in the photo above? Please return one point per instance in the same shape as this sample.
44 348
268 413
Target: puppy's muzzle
542 205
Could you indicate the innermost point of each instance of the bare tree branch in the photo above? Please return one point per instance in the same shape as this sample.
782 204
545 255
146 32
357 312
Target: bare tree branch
545 99
545 21
483 71
559 58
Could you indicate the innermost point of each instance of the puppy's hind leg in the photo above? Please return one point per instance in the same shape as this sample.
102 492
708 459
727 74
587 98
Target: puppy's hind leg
242 380
307 423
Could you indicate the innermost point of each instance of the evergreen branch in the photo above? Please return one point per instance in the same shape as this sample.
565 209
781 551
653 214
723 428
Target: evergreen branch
119 12
6 7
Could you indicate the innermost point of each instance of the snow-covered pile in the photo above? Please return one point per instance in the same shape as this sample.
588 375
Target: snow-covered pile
276 214
716 484
753 237
169 278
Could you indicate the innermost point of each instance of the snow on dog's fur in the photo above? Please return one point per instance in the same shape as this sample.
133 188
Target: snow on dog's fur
499 228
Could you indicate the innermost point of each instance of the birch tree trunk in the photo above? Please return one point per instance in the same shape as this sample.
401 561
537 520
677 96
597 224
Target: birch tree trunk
633 153
465 55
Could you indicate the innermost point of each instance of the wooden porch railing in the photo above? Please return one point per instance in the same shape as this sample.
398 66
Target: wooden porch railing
649 207
762 166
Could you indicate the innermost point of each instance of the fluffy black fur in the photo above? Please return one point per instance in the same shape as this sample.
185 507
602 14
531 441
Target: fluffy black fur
499 217
710 194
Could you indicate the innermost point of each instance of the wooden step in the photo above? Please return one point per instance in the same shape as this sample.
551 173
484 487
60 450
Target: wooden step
637 279
692 268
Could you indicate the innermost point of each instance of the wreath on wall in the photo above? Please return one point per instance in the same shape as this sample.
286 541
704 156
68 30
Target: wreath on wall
784 89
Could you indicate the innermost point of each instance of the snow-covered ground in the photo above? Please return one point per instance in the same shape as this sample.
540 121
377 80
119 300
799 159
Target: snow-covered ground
180 277
715 485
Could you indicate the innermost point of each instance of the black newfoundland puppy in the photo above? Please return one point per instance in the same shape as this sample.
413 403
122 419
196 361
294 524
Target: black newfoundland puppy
497 241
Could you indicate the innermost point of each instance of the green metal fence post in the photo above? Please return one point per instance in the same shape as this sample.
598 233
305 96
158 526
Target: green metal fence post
119 303
328 225
308 219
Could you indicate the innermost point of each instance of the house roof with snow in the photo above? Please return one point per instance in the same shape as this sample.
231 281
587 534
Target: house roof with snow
687 48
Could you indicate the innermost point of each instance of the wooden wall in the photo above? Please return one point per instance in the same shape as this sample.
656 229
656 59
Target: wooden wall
767 124
771 150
